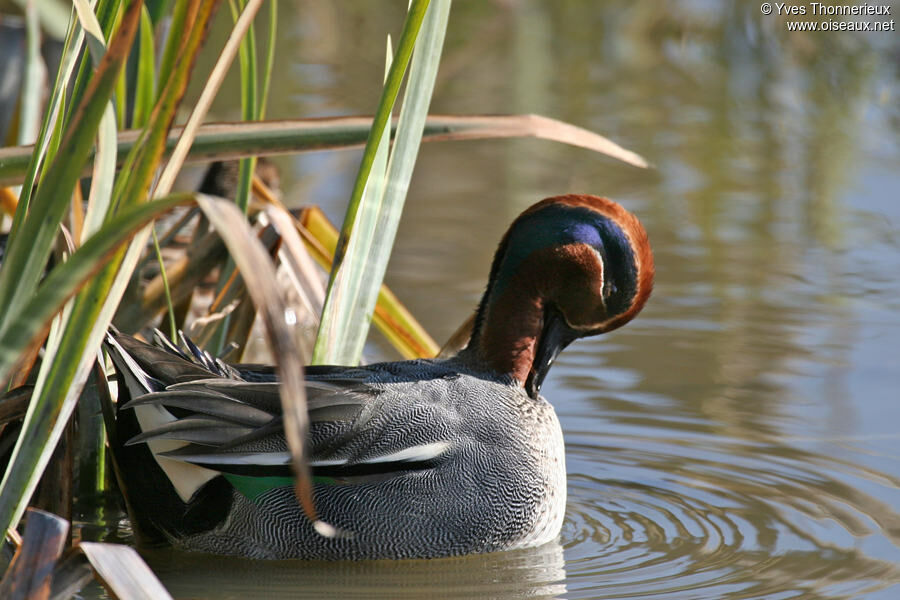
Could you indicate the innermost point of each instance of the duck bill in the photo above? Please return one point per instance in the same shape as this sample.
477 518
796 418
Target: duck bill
555 336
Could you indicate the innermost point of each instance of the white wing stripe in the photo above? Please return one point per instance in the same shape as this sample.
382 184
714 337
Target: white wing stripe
412 454
419 453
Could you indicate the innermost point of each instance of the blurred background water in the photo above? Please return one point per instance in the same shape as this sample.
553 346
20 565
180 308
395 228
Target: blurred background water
740 438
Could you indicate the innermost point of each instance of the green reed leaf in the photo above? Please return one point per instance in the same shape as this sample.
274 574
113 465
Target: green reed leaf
382 117
72 346
30 247
66 279
57 384
270 58
106 12
33 81
341 331
372 265
145 89
35 156
172 48
104 171
335 343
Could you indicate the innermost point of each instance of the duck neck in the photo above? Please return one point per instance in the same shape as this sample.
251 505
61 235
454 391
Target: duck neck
507 330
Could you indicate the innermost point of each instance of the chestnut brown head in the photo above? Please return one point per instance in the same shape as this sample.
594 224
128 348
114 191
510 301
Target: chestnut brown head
568 267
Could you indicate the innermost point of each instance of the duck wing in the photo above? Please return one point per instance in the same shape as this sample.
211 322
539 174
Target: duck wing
227 424
236 427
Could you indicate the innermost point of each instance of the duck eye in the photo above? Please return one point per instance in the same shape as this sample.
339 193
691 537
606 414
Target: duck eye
609 289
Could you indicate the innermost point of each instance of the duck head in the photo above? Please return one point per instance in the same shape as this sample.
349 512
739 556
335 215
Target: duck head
568 267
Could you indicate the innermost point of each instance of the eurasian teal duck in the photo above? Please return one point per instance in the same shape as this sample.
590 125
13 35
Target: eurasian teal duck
418 458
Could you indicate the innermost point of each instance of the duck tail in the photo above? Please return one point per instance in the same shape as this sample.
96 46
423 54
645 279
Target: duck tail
166 500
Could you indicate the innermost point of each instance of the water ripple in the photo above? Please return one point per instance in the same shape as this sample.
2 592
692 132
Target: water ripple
724 519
